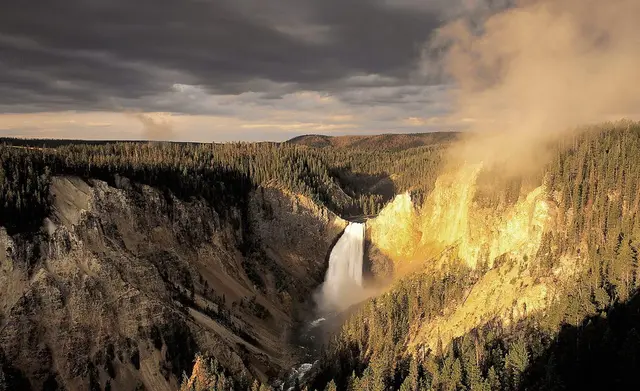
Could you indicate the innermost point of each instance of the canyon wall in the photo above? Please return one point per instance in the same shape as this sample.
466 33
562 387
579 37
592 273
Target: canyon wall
499 244
126 283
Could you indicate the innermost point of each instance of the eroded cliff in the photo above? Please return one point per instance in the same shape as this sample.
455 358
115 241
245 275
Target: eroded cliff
499 245
126 283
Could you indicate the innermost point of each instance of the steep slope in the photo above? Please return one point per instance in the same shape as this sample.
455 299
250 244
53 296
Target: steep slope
128 283
451 227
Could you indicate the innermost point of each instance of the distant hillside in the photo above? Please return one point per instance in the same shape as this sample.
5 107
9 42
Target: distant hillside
55 143
389 142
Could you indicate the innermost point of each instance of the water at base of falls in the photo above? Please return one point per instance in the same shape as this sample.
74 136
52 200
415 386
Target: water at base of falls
341 289
342 286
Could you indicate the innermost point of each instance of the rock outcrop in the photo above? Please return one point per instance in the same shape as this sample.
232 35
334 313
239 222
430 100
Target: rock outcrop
450 218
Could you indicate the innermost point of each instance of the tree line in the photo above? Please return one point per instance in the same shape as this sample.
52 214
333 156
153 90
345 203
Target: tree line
223 174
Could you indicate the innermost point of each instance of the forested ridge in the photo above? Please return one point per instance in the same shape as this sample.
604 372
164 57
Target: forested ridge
388 142
343 180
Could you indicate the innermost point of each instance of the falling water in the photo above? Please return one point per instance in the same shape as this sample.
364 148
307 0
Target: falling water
342 286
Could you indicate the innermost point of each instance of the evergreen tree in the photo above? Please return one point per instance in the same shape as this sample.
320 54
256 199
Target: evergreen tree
3 381
516 362
493 380
331 386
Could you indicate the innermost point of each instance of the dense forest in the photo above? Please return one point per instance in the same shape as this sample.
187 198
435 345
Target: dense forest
351 182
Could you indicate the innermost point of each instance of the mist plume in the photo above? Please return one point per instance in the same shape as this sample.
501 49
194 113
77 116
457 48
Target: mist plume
156 126
539 69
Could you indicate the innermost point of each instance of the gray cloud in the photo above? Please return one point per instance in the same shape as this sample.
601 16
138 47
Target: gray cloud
276 68
81 54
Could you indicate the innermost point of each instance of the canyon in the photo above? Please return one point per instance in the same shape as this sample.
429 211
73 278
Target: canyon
129 281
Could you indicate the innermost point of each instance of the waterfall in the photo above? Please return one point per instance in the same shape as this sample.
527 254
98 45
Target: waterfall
342 285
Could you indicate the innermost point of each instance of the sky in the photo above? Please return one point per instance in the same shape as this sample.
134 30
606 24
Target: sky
222 70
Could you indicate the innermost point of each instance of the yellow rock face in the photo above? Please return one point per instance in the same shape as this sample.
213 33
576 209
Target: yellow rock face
396 230
506 293
445 214
449 218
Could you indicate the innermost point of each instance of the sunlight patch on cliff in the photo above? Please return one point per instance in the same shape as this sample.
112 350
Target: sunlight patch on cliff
395 230
445 216
449 218
500 242
506 293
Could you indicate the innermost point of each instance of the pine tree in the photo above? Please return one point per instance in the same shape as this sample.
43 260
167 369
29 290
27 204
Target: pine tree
413 378
352 383
331 386
3 381
264 388
493 380
517 361
624 265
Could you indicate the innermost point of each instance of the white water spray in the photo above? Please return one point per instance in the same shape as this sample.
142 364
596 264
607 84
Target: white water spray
342 286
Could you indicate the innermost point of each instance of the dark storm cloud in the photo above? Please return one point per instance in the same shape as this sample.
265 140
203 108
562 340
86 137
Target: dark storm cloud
92 53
